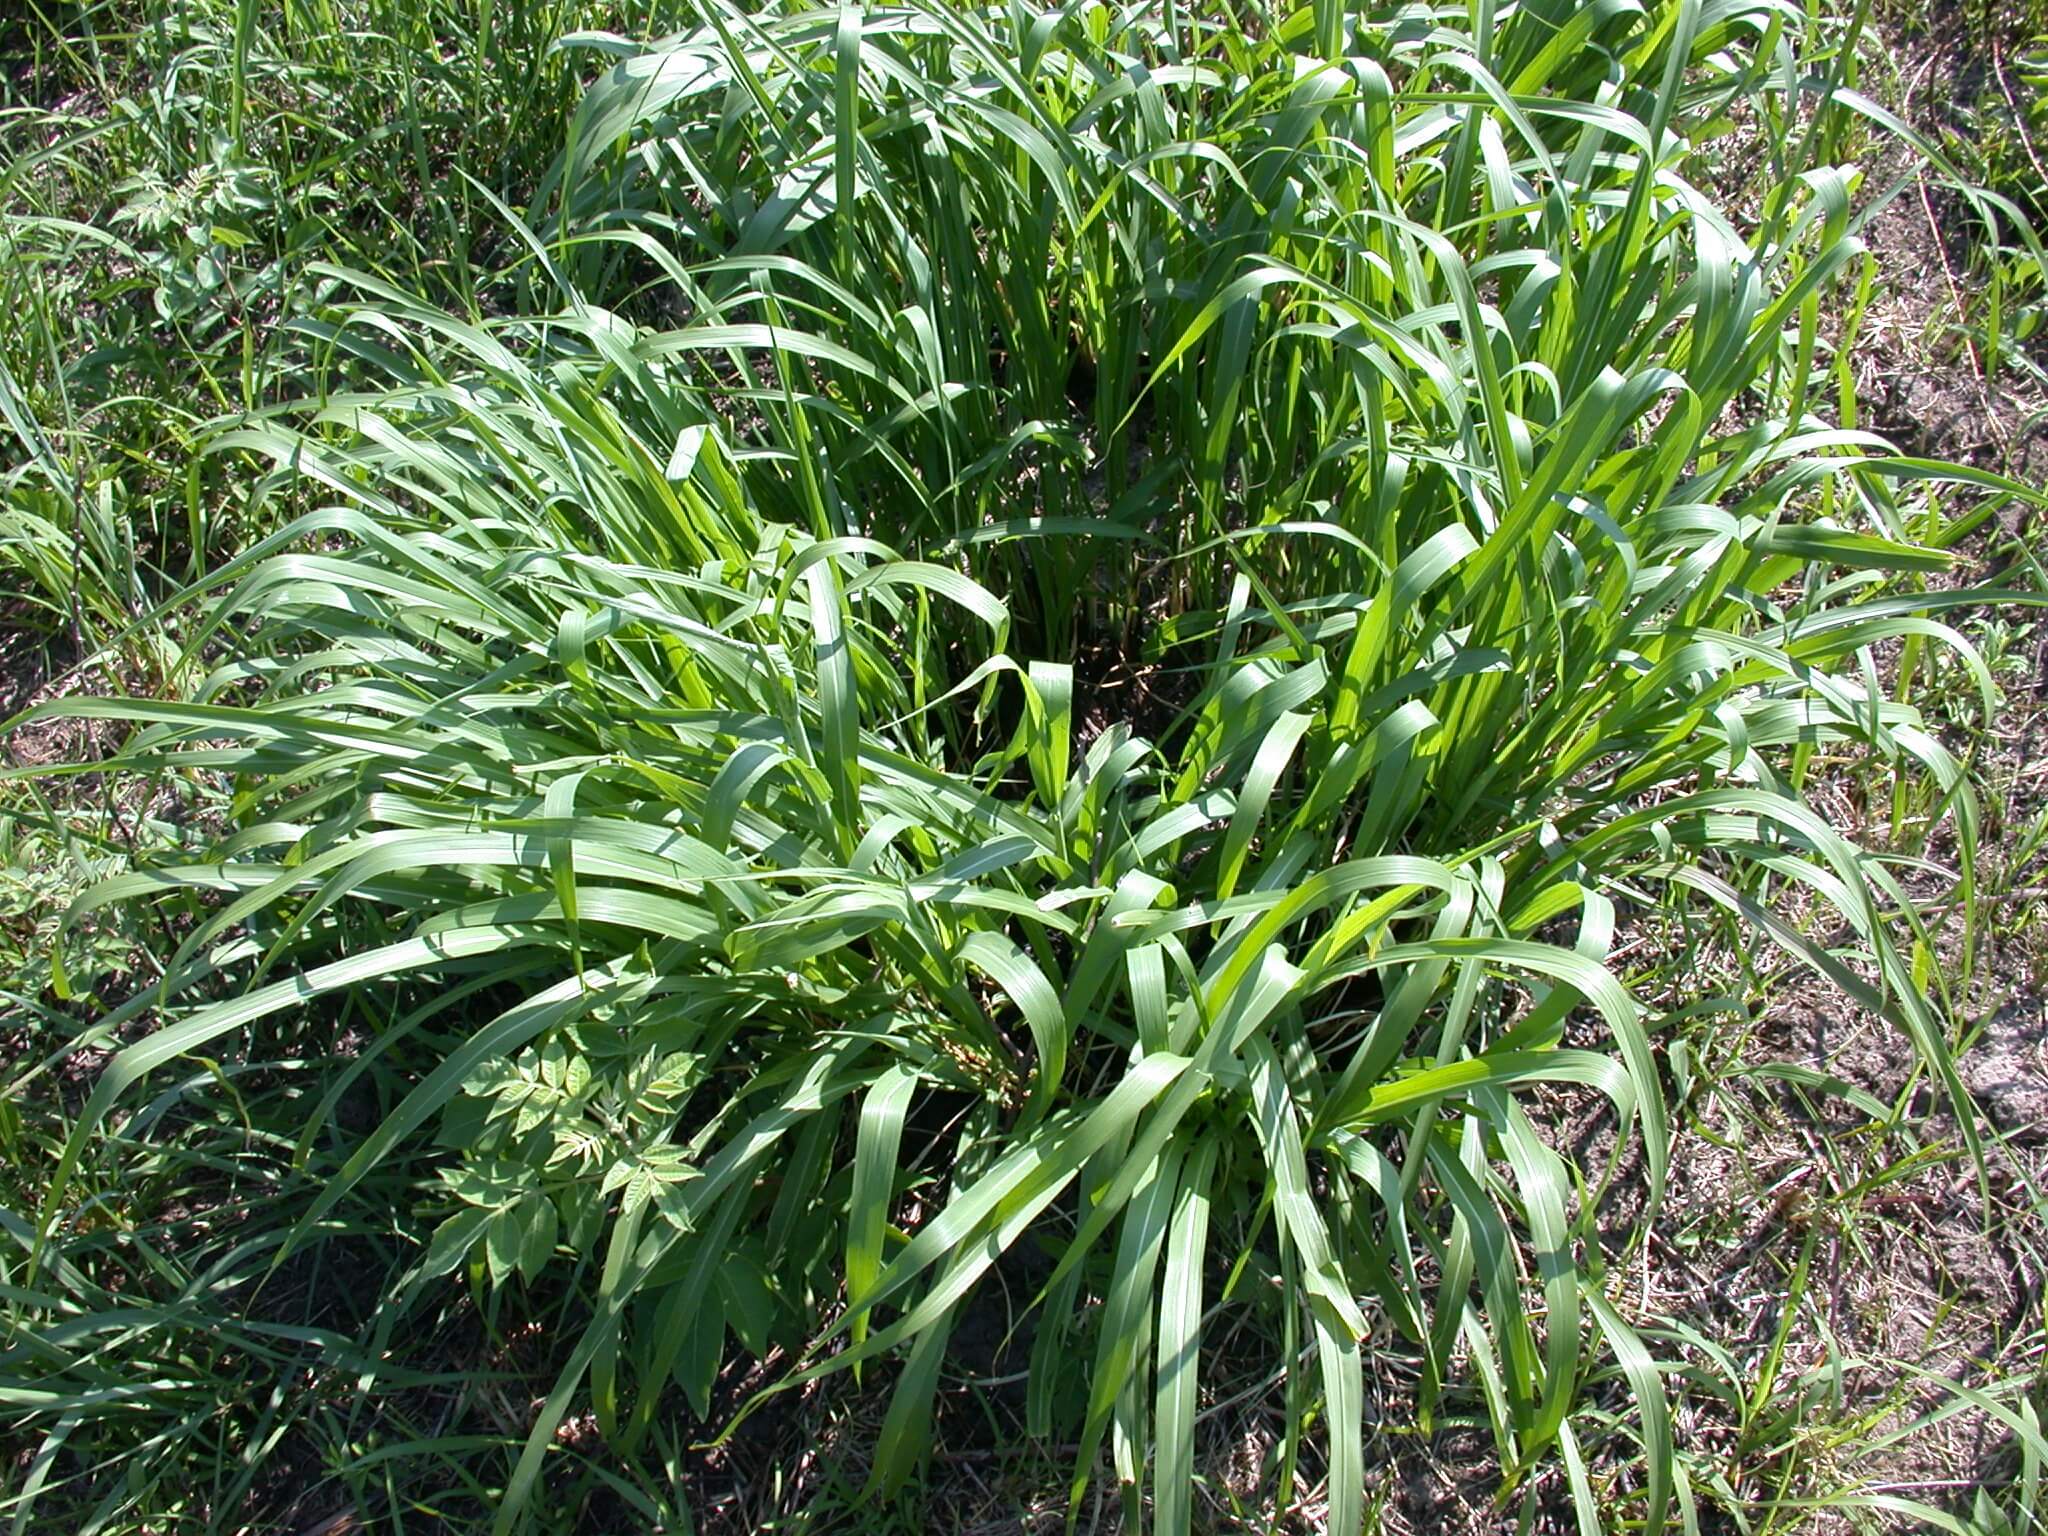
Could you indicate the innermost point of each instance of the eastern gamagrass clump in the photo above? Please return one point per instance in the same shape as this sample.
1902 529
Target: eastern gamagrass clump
689 708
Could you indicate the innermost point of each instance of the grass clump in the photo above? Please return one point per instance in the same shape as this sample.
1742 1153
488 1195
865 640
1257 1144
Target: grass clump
172 176
1052 645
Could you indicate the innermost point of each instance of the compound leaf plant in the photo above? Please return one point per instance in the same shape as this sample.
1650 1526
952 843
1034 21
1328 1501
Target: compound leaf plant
1072 630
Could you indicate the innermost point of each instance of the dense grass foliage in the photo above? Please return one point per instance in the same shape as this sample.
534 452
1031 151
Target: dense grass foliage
1048 648
166 203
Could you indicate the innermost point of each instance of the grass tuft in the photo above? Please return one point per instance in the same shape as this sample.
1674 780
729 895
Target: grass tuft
896 656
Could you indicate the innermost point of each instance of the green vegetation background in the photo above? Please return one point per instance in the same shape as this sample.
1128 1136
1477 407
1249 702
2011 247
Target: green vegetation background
1271 769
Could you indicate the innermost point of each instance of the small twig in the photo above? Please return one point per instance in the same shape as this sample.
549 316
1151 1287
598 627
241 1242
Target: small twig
1919 79
1007 1453
1955 295
1941 252
2019 118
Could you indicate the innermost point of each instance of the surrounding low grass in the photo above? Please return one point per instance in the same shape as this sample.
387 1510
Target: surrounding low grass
744 693
1974 80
